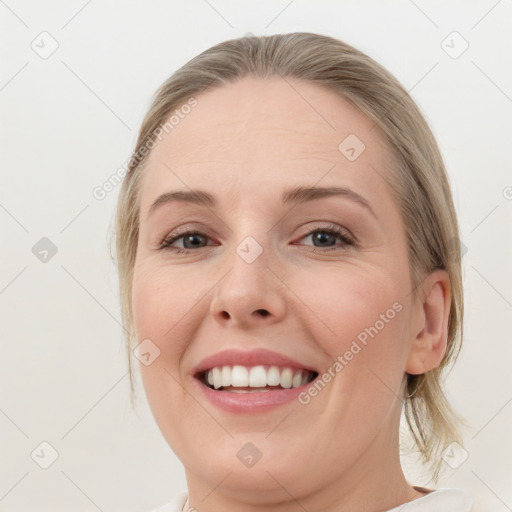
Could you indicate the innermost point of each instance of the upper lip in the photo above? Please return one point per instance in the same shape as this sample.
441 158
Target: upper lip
249 358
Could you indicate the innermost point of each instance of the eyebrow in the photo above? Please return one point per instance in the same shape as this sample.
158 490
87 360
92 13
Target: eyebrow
294 195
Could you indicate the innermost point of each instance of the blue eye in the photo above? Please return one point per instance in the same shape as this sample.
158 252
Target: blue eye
191 240
322 237
326 237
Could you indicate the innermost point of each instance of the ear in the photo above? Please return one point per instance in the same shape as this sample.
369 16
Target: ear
430 325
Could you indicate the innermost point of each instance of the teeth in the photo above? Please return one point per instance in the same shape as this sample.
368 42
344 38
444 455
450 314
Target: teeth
226 376
286 378
273 376
256 377
239 377
217 378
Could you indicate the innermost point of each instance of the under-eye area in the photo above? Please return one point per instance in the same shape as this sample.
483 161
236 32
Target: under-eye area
261 378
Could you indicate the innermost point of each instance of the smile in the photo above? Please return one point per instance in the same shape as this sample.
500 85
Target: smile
260 378
251 381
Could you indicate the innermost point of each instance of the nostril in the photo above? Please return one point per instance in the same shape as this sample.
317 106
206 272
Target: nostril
225 315
262 312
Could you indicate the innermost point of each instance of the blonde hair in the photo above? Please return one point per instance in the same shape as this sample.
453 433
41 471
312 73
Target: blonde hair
419 183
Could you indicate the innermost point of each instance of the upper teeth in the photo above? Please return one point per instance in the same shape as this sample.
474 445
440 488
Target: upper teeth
256 376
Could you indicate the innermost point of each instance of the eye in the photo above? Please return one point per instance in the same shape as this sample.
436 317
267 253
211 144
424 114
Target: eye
190 240
325 237
322 237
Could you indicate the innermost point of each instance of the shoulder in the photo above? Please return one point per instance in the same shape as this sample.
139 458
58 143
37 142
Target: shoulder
175 505
446 499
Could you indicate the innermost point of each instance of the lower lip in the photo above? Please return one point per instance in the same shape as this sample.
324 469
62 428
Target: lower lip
253 402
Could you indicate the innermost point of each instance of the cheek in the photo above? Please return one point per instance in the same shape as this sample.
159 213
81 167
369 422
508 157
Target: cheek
163 304
348 301
161 308
168 304
360 315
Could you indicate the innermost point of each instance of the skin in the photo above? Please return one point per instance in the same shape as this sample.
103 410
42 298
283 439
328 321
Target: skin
245 143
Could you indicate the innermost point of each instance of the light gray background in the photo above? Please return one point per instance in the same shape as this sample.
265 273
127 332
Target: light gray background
70 120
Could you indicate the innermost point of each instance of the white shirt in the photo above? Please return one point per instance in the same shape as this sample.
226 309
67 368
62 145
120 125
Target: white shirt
446 499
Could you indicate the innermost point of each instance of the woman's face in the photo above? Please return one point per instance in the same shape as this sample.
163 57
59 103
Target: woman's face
314 284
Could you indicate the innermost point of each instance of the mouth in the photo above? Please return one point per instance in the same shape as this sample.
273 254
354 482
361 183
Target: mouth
251 381
254 379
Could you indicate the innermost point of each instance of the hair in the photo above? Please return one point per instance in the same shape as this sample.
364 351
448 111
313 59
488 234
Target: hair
419 184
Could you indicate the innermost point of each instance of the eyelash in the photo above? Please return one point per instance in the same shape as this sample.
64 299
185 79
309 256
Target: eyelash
347 240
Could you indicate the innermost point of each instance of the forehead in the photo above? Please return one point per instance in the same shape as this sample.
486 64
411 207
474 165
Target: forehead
257 134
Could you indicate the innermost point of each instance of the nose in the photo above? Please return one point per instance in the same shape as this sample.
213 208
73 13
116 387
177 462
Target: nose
249 295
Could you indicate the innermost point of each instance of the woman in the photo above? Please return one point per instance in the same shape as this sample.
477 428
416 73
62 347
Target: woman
290 278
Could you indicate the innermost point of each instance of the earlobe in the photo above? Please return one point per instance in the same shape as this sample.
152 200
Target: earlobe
429 338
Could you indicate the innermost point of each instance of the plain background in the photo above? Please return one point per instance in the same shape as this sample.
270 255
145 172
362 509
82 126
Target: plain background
70 120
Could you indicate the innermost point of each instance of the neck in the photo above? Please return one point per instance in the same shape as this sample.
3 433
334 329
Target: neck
375 482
